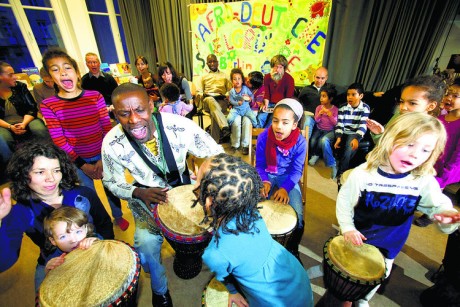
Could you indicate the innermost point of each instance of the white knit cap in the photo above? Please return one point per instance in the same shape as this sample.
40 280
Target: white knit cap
293 104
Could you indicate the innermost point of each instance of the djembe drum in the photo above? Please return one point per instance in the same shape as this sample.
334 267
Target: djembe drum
180 224
351 272
281 220
106 274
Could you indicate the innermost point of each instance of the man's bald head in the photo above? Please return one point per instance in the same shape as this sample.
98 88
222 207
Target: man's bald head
321 76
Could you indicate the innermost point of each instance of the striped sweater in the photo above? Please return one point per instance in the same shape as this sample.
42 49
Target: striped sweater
77 125
352 120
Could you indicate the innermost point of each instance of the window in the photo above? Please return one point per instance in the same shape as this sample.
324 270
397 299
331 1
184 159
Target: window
29 27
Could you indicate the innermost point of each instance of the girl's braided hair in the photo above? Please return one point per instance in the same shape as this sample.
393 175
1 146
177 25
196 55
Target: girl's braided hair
234 187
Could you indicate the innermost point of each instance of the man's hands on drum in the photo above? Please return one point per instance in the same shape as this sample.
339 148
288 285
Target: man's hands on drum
151 195
354 237
238 299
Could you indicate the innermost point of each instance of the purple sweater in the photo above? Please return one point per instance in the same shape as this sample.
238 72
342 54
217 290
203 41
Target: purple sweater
448 165
324 122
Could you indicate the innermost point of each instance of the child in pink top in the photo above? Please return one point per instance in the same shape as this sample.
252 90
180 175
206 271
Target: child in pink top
323 135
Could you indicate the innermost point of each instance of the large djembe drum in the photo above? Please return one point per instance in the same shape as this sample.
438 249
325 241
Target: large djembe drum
180 224
281 220
106 274
351 272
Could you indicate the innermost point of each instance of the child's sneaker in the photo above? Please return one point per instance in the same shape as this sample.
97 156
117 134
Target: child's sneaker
333 172
122 223
313 160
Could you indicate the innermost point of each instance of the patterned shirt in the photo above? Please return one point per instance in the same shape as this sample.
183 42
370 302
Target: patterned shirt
352 120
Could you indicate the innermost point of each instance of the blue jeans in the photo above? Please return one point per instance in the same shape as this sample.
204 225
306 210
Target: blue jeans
35 130
114 202
295 196
346 153
322 141
310 122
264 118
39 276
148 246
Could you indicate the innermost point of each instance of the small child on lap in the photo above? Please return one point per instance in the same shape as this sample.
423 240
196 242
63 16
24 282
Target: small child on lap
170 95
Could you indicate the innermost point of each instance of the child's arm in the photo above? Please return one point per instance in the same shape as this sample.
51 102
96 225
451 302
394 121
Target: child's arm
339 127
437 205
54 263
296 166
261 162
104 118
346 201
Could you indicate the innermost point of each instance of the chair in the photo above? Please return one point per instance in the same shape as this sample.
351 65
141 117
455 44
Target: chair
255 132
199 113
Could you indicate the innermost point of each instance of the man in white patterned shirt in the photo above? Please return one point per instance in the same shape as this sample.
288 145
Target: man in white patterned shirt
153 149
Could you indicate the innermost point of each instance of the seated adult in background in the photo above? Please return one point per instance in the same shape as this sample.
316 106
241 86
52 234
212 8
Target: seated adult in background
168 74
147 79
156 167
18 115
211 92
309 97
42 179
278 85
96 80
45 89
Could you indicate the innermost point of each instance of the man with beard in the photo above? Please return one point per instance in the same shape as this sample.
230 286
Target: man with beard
153 148
212 91
278 85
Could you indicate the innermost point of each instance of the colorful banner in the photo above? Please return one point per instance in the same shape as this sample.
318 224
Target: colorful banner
248 34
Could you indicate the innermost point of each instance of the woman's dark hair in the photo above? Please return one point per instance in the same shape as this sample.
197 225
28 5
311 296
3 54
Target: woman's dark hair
235 188
142 58
256 78
162 69
21 163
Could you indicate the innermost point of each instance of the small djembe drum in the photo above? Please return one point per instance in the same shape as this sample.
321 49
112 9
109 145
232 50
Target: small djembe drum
281 220
215 295
106 274
180 224
351 272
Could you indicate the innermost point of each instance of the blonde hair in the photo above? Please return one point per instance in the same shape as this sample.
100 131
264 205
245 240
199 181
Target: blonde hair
69 215
405 130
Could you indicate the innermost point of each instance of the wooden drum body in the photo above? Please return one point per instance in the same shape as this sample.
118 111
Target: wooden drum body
106 274
180 224
281 220
351 272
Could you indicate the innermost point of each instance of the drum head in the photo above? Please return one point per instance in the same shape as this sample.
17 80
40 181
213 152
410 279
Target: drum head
215 294
364 262
279 218
94 277
179 216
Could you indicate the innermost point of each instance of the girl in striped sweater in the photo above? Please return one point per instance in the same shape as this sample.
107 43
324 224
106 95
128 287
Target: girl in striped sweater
78 120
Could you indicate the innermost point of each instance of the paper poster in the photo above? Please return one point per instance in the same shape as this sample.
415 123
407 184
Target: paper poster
248 34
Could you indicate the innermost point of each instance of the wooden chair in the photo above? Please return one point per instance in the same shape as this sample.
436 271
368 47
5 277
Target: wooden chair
255 132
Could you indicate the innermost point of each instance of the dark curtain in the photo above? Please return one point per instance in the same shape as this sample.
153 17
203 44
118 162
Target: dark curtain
383 43
139 33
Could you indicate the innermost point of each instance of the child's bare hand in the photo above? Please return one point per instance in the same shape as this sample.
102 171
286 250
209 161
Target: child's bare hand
238 299
282 196
266 190
337 143
447 217
354 237
54 263
5 203
374 126
87 242
354 144
240 102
